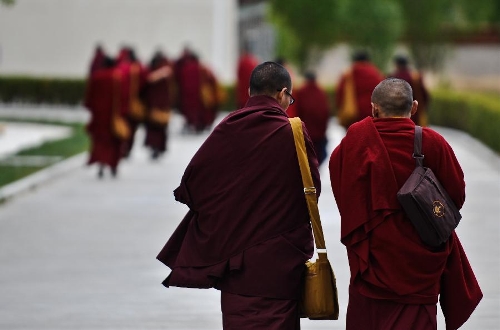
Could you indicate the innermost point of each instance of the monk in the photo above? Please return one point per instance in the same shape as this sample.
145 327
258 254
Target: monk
416 81
102 99
395 278
352 96
158 98
212 97
313 108
98 59
188 71
134 78
247 232
246 63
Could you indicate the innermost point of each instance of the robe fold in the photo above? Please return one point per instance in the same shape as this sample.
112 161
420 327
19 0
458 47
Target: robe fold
387 259
248 229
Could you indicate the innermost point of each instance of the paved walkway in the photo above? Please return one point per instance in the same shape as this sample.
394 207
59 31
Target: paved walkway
77 252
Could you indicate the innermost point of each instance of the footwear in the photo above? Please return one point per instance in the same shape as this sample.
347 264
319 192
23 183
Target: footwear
100 174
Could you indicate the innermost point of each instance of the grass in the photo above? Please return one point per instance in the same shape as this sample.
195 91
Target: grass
72 145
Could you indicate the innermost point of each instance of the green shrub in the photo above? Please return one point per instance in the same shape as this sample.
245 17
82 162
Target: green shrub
41 90
476 114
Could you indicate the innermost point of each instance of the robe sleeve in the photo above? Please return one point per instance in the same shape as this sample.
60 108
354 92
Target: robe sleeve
460 292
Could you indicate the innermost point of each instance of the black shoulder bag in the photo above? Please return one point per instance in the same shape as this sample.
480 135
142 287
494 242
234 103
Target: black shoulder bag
426 202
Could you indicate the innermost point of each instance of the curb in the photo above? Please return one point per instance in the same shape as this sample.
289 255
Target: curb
47 174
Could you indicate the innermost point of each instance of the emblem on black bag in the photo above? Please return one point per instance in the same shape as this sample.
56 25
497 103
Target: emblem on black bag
438 209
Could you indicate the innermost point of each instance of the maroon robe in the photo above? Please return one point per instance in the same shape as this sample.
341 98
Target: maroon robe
366 78
313 108
387 259
188 75
98 60
101 94
157 94
246 64
247 231
211 96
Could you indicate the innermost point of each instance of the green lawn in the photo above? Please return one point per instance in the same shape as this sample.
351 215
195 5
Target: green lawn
74 144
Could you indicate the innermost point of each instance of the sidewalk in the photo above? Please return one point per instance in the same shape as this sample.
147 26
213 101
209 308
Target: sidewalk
79 253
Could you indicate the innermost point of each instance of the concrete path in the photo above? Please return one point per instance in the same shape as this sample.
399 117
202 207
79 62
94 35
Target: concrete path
77 252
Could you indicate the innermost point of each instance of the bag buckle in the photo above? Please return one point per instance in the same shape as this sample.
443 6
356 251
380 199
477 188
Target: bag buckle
309 190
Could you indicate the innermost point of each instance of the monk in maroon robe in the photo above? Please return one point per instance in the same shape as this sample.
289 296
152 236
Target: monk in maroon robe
134 79
361 79
98 60
247 232
188 71
313 108
246 64
102 99
157 95
211 96
395 278
416 81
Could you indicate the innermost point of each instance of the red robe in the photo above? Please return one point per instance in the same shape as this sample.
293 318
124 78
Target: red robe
246 64
386 256
312 107
98 60
188 77
100 95
158 95
366 78
248 230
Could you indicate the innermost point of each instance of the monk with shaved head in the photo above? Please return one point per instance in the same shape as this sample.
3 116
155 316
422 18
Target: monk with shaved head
396 279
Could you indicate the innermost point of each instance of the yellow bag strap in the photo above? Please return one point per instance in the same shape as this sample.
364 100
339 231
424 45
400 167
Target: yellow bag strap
307 181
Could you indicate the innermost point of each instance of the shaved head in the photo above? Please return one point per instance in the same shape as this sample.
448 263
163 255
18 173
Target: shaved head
394 97
269 77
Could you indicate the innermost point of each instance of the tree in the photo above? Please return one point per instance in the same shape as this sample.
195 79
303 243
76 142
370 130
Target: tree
426 27
304 28
375 26
7 2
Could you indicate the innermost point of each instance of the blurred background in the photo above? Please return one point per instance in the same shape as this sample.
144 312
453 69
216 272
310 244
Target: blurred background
457 41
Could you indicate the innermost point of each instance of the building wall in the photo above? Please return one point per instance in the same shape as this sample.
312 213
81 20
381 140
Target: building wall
57 37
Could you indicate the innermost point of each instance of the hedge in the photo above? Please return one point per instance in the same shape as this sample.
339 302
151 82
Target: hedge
60 91
41 90
476 114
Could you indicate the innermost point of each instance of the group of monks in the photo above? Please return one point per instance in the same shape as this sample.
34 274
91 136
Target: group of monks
122 94
354 89
352 97
247 231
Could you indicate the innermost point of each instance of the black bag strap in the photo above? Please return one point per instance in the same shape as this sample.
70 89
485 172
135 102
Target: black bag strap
417 147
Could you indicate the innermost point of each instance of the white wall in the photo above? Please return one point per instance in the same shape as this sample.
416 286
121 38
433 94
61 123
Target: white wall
57 37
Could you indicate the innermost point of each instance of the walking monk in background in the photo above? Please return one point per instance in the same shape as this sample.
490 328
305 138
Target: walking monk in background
395 278
134 78
416 82
313 108
158 97
246 64
103 98
247 232
354 90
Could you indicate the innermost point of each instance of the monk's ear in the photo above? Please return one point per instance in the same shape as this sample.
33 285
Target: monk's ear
248 91
375 111
414 107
